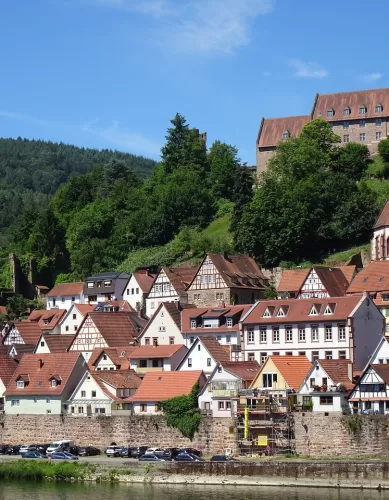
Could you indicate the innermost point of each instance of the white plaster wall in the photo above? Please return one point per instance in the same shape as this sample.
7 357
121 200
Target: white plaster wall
42 347
65 302
338 400
225 338
381 354
158 322
150 409
133 298
69 325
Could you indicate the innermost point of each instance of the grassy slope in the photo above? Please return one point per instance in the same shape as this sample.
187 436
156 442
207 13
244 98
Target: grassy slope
344 256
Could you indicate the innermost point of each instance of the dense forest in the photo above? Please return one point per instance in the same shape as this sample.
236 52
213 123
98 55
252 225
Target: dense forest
314 198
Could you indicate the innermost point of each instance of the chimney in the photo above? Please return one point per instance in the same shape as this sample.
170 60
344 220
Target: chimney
350 371
178 305
225 255
41 363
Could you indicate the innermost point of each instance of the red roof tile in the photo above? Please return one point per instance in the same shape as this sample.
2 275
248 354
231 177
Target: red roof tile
151 351
67 289
58 343
145 280
349 272
123 379
333 279
220 353
337 370
294 369
84 308
160 386
245 370
373 278
383 218
29 331
118 355
292 280
116 328
7 367
272 129
50 319
181 277
234 312
382 370
40 368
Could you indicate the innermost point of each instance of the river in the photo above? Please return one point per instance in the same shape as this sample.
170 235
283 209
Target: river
63 491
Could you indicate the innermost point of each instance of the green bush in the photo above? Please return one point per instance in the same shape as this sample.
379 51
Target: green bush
38 470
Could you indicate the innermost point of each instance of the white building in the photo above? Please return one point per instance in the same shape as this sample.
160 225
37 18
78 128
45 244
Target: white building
371 393
380 239
63 295
73 318
381 355
335 328
164 327
138 288
150 358
205 354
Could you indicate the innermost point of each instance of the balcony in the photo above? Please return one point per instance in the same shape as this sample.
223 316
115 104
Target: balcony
144 370
225 393
227 389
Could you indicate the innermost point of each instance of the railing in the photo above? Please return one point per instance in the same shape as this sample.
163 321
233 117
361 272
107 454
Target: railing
225 393
139 369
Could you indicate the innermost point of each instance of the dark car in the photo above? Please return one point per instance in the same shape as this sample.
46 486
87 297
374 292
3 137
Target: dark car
88 451
33 454
3 449
63 455
151 458
126 452
221 458
192 451
188 457
170 453
138 451
13 450
42 448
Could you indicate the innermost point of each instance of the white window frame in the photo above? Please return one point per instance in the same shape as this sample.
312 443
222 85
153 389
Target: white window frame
288 334
302 334
342 332
263 335
276 334
20 384
229 322
314 333
328 333
250 336
15 402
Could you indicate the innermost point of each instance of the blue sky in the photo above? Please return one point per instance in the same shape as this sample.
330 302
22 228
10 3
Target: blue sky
112 73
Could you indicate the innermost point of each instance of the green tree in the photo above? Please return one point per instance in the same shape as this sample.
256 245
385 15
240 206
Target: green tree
224 164
353 160
17 307
383 149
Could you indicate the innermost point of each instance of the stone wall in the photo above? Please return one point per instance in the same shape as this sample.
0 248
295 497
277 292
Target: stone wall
214 435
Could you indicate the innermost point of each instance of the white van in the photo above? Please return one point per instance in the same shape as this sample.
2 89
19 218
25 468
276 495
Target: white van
65 444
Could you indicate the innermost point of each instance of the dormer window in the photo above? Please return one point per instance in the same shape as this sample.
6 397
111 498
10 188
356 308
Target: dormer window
90 284
193 323
362 110
346 111
313 311
266 314
285 135
53 383
330 112
20 384
379 108
328 310
281 313
108 283
229 322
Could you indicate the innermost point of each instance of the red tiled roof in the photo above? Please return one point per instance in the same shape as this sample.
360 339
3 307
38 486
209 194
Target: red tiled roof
234 312
22 349
245 370
383 371
66 289
160 351
145 280
123 379
116 327
58 343
383 218
50 319
272 129
118 355
333 279
294 369
373 278
337 370
84 308
160 386
181 277
354 100
220 353
35 315
292 280
349 272
120 305
60 364
7 367
298 310
29 331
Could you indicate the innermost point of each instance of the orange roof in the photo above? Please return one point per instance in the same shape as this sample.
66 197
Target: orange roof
50 319
181 277
292 280
349 272
294 369
383 218
160 386
151 351
145 280
337 370
220 353
29 331
373 278
84 308
7 367
272 129
67 289
58 343
41 368
245 370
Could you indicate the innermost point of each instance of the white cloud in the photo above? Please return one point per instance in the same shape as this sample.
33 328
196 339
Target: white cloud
304 69
372 77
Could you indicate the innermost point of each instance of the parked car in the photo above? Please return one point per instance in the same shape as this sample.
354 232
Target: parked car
27 447
126 452
222 458
88 451
113 451
13 450
33 454
170 453
192 451
57 446
154 451
151 458
3 449
188 457
138 451
62 455
42 448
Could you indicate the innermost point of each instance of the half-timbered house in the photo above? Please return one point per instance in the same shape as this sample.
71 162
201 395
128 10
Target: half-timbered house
23 332
232 279
48 343
71 321
371 393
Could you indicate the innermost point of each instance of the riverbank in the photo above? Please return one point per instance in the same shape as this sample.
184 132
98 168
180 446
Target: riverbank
317 474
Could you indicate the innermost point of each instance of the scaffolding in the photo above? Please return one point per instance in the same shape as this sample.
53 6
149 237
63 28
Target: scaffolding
265 423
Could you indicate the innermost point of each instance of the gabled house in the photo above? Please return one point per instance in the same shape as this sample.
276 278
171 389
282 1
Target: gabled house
104 287
380 238
169 285
64 295
23 332
217 397
232 279
371 393
71 321
157 387
42 383
49 321
138 288
17 351
150 358
104 329
221 322
164 327
317 282
205 354
7 367
327 385
110 358
103 393
381 354
114 306
49 343
348 327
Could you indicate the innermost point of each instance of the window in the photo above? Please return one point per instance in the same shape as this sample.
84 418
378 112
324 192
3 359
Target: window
229 322
147 341
53 383
328 355
342 355
362 123
62 299
313 311
312 382
385 297
288 353
137 291
209 362
250 336
128 291
281 313
75 328
199 347
192 340
15 402
302 353
302 334
221 405
379 108
342 332
286 135
162 328
326 400
74 316
276 334
346 138
189 362
220 296
330 112
228 405
251 356
108 283
171 340
381 361
362 110
378 122
328 311
263 335
328 331
266 314
143 408
152 305
42 343
48 401
346 111
315 356
83 394
196 296
315 333
346 125
20 384
378 136
193 323
288 334
268 379
275 354
90 284
35 400
263 357
228 339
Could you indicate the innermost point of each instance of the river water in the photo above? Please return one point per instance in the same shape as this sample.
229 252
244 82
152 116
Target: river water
64 491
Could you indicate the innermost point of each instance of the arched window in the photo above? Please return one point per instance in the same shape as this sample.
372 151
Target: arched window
331 112
347 111
285 135
362 110
379 108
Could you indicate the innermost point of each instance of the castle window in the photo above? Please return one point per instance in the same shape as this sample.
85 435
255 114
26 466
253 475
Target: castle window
363 110
346 124
330 112
346 111
362 137
378 122
285 135
346 138
377 136
379 108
